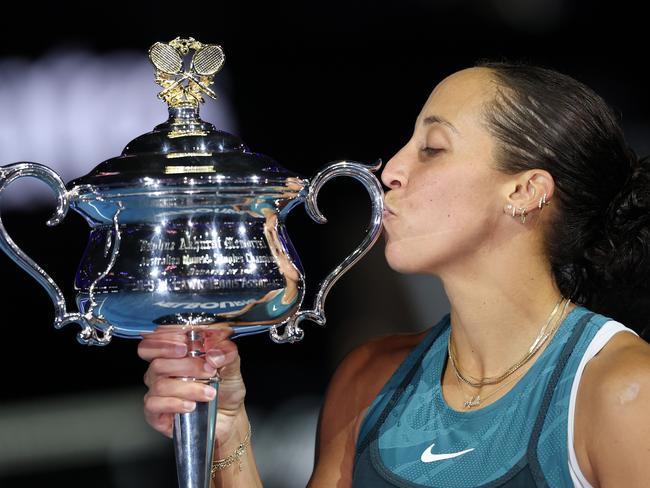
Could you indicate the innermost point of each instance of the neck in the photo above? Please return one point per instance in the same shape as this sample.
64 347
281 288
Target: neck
498 307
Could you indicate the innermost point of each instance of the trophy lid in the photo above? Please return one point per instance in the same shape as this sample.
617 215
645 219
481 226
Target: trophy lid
184 150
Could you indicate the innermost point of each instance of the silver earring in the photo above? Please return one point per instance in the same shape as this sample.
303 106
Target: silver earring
522 213
512 210
542 201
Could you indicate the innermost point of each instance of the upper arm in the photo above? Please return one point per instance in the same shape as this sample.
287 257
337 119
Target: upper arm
339 416
356 382
619 441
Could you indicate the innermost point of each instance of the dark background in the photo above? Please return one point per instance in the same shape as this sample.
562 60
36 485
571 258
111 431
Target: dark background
310 83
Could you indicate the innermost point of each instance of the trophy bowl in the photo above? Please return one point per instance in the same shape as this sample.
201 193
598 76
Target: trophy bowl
187 236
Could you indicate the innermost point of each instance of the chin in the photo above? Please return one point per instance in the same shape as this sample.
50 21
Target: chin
401 261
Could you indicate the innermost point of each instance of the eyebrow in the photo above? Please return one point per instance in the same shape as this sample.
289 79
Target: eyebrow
432 119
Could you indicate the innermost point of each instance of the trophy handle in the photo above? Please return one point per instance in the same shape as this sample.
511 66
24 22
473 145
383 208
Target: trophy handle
363 173
9 173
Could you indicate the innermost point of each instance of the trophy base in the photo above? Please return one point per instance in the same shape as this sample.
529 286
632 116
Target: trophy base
194 442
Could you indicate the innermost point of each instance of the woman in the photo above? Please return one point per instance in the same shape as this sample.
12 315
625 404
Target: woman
517 189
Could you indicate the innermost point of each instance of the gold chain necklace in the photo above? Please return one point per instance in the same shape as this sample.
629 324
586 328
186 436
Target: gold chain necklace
476 400
535 346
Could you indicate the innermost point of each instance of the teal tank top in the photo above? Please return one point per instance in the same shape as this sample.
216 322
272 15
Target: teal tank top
520 440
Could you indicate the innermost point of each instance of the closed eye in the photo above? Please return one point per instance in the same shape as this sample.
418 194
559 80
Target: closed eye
430 151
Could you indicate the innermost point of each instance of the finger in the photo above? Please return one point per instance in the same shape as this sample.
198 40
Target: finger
171 333
151 348
157 405
224 353
217 332
163 423
187 366
230 372
159 412
183 390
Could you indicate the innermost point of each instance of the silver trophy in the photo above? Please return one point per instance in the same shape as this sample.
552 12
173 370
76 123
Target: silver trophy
187 237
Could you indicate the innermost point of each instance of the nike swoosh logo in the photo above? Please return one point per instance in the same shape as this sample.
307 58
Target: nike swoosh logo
429 457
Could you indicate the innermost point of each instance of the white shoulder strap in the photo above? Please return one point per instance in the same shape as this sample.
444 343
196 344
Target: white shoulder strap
601 338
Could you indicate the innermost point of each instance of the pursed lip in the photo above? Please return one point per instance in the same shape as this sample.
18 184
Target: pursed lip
388 210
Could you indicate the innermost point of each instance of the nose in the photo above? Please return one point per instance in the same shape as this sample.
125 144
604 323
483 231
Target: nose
393 175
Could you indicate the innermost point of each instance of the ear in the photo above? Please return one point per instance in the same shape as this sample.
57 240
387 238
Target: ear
529 192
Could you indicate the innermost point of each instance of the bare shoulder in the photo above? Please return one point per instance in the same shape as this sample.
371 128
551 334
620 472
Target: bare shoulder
623 360
618 374
615 421
356 382
369 366
363 373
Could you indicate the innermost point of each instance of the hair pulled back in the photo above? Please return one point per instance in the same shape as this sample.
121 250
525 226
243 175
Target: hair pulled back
599 242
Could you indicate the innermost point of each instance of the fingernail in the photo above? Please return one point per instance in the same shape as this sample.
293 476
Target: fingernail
180 350
215 357
188 406
210 392
211 370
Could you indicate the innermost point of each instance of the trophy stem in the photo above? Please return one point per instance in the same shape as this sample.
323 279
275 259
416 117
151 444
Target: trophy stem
194 431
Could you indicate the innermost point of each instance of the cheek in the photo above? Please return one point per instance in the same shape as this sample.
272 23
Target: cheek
440 221
426 218
438 203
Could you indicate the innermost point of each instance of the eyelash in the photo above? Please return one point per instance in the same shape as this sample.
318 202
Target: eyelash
430 151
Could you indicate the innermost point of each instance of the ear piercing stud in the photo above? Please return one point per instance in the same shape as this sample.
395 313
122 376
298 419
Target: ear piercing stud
542 202
511 210
522 213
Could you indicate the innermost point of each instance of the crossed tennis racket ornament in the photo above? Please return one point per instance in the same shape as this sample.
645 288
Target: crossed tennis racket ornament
181 86
187 237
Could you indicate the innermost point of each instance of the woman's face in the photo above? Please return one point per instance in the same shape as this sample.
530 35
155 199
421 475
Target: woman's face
445 203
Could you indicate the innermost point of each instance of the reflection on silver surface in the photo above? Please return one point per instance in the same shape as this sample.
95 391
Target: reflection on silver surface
8 174
226 260
292 331
187 238
230 264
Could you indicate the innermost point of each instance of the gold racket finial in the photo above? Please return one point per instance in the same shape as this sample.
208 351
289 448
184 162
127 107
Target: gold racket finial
182 84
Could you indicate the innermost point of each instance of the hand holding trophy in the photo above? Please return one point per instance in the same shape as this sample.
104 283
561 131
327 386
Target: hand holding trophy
187 239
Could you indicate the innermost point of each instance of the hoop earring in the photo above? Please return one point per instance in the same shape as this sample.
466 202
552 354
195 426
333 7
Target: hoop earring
543 202
522 211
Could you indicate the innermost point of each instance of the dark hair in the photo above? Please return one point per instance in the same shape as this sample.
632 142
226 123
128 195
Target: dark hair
599 242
